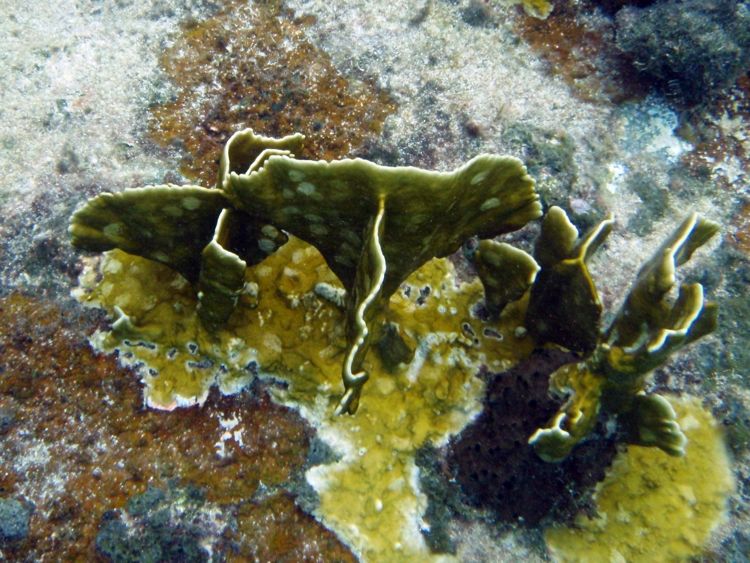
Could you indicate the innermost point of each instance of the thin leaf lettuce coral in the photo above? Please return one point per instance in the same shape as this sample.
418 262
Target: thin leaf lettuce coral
374 225
564 309
288 333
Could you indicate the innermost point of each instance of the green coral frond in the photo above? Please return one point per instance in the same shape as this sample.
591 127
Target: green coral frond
576 418
557 238
653 422
151 222
647 330
646 308
429 214
506 273
246 151
222 276
572 321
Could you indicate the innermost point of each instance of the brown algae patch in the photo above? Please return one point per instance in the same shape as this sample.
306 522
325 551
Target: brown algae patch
582 52
77 443
284 330
652 506
250 66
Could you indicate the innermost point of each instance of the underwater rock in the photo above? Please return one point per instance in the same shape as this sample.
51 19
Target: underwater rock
7 418
14 521
172 525
221 80
691 48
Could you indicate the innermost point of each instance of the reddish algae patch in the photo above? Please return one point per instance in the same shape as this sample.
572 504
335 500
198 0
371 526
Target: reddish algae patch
251 66
582 53
80 443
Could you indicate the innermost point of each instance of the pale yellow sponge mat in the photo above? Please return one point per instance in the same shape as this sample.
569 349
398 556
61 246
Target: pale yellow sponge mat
652 506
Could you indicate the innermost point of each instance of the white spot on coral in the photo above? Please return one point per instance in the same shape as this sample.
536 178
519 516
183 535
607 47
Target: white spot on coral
306 188
296 175
112 266
266 245
270 231
191 203
113 229
491 203
478 177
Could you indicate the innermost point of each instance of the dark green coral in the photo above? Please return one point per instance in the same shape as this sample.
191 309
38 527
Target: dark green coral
565 310
374 225
647 330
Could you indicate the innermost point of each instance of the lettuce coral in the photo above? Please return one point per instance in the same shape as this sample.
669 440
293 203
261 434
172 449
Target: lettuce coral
189 314
564 309
194 316
374 225
646 330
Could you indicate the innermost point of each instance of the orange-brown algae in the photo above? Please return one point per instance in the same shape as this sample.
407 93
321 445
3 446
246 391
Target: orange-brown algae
250 66
582 54
277 530
81 443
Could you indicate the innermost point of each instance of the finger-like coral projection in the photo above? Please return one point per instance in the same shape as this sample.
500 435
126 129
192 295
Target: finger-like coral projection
564 306
506 273
374 225
647 329
676 502
564 309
